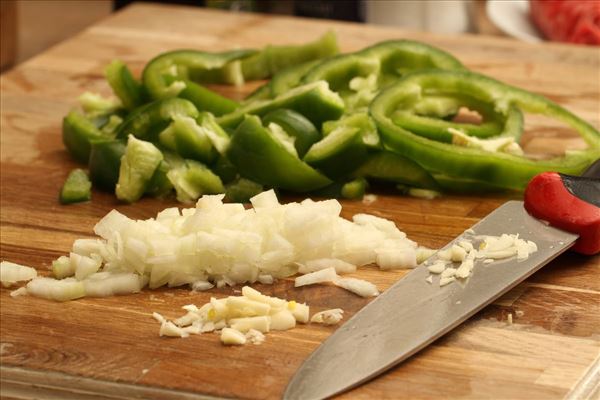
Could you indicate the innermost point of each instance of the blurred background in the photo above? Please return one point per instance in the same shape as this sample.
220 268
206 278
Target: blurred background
25 30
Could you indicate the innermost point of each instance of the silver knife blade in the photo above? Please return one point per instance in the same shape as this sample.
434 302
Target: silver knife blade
413 313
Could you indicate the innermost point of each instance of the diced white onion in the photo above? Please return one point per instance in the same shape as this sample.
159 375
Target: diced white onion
358 286
324 275
11 273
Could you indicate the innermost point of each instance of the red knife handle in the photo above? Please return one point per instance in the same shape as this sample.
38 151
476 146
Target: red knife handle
570 203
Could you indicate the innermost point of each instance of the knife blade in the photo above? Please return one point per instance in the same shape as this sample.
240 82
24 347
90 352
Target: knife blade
413 313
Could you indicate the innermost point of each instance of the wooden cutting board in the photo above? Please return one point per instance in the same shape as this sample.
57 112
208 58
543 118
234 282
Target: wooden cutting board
110 348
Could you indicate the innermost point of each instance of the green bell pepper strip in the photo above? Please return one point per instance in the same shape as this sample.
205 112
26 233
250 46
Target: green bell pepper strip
77 188
207 100
387 166
261 157
137 168
242 190
385 62
215 133
162 75
192 179
458 185
185 137
501 169
273 59
346 144
295 125
149 120
78 133
128 89
104 163
314 101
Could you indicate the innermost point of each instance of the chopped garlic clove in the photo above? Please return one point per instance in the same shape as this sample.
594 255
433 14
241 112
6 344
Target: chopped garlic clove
231 336
262 323
244 307
437 268
300 311
446 280
429 279
457 253
464 270
255 337
358 286
255 295
328 317
167 328
282 321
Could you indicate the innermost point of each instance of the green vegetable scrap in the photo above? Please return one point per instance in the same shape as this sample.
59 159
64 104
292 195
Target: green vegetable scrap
77 188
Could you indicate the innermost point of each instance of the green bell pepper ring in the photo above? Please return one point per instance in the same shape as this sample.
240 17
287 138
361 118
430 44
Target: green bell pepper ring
78 133
263 158
359 76
128 89
314 101
493 124
163 74
295 125
104 163
501 169
387 166
273 59
77 188
149 120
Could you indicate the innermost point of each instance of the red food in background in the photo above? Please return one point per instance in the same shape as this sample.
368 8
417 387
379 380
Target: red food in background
574 21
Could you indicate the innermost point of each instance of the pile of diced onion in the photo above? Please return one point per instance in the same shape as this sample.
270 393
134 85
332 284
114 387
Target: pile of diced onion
217 244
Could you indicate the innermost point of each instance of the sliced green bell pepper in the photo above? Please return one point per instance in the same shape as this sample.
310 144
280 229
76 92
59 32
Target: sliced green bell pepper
137 168
164 75
499 168
242 190
359 76
314 101
77 188
273 59
262 157
149 120
128 89
77 134
104 163
185 137
391 167
296 126
346 144
207 100
352 190
192 179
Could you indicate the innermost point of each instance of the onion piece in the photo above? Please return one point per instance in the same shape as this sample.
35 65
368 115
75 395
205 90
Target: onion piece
358 286
231 336
324 275
11 273
53 289
341 267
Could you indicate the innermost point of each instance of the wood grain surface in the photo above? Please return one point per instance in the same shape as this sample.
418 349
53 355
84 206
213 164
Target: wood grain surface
110 348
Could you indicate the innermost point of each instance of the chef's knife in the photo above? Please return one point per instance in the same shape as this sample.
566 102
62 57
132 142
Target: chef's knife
413 313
